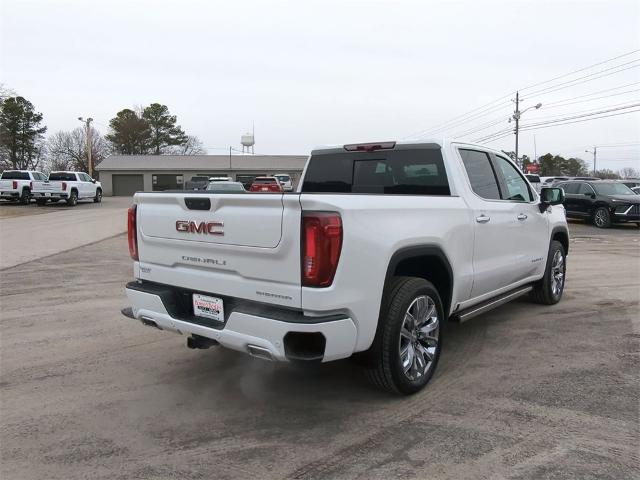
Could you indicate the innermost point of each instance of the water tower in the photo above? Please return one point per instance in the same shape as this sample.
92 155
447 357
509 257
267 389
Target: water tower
248 141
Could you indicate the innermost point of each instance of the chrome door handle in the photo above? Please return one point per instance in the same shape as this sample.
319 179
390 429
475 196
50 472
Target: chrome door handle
482 219
522 216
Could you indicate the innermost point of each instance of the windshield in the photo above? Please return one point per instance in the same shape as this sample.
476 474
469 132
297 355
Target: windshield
199 179
612 189
283 178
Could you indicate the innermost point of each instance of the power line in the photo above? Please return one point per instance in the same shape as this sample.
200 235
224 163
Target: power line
583 114
582 69
560 105
593 93
502 134
461 119
581 80
563 115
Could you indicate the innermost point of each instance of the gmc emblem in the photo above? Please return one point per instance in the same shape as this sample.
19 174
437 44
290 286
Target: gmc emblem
206 228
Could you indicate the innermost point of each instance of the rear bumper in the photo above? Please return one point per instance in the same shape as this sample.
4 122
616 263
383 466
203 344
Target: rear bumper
9 194
245 326
54 195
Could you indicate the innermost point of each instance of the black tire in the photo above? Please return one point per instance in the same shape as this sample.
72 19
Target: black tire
25 197
41 202
98 197
72 201
602 217
383 365
544 291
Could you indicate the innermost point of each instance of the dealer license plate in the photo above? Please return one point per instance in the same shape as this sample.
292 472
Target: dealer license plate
208 307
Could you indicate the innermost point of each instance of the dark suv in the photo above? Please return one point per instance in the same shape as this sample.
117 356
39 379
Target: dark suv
600 201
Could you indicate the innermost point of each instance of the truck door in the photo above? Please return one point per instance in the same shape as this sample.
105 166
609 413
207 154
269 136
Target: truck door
531 230
495 250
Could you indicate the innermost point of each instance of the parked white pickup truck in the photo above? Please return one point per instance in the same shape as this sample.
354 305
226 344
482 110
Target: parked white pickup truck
68 186
381 245
17 185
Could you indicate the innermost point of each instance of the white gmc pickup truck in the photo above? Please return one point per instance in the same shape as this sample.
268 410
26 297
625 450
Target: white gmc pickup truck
68 186
18 184
379 247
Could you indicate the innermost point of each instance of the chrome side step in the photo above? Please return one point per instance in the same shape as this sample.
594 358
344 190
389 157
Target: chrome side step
490 304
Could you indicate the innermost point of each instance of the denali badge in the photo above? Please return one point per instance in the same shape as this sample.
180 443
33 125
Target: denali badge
206 228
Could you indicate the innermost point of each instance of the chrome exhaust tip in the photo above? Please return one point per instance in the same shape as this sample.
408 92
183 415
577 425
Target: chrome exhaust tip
259 352
149 322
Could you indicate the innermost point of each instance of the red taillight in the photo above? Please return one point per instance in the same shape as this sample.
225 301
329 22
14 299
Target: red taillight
15 185
321 245
132 234
369 147
64 185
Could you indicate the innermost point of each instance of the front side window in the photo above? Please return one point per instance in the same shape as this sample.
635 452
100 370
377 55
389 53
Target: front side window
481 175
516 188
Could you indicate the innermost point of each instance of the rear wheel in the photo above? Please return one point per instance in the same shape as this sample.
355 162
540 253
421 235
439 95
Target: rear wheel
25 198
548 291
72 201
602 217
407 346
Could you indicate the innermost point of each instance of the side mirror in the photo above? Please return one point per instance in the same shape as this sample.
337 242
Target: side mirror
550 196
93 180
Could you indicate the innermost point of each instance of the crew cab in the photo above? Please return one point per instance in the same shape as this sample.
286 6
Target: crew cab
17 185
602 202
68 186
381 245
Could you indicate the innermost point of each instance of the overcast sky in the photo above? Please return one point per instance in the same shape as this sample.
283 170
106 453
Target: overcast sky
313 73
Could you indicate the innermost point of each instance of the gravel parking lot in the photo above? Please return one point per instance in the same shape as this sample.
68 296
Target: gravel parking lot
523 392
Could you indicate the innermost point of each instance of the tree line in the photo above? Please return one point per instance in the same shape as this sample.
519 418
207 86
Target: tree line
140 131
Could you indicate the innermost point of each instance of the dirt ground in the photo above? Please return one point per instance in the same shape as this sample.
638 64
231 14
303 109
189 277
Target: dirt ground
523 392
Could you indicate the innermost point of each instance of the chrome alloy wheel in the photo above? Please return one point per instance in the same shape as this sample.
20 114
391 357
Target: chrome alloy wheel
600 218
557 273
419 336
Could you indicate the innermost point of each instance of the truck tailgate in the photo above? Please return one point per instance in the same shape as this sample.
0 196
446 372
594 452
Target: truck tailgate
240 245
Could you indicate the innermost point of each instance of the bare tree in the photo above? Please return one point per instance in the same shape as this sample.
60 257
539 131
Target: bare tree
193 146
629 172
68 150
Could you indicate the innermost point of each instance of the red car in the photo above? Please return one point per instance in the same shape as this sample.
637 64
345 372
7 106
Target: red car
265 185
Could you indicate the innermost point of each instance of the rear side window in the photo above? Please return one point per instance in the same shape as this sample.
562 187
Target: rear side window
571 188
481 175
13 175
62 176
400 172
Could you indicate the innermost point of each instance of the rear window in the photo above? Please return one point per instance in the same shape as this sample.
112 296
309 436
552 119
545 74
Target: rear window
13 175
264 180
399 172
64 176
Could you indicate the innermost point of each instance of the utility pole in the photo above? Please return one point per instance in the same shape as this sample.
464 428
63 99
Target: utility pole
516 117
87 123
594 151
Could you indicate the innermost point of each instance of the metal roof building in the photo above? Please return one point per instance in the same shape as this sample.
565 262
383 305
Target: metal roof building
126 174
